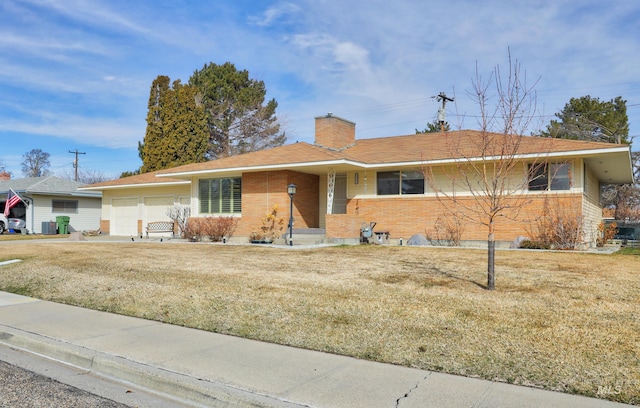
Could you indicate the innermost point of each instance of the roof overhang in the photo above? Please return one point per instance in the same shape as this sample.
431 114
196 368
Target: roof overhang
319 167
88 194
136 185
611 165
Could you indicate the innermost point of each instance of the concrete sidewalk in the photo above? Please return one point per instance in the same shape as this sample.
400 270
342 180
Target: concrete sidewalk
208 369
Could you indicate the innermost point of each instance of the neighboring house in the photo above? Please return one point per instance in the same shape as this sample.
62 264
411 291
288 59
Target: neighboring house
49 197
343 182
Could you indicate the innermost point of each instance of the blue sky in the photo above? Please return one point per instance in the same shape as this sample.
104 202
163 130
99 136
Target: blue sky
76 74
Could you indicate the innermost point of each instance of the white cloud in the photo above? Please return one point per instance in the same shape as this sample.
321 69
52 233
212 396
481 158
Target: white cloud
92 13
102 132
372 61
275 13
352 56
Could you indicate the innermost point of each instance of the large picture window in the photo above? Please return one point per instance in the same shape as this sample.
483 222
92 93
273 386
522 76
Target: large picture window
221 196
400 182
64 206
555 176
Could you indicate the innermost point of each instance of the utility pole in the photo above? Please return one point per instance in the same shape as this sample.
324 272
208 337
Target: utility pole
75 163
442 116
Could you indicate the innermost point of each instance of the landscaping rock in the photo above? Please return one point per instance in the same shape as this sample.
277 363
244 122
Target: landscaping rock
418 239
518 241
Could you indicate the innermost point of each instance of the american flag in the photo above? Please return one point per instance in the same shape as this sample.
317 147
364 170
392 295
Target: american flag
12 199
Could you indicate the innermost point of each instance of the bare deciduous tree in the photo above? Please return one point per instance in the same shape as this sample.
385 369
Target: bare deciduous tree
490 175
625 199
85 176
35 163
179 214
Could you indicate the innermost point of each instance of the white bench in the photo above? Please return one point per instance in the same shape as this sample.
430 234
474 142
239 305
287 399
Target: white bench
159 226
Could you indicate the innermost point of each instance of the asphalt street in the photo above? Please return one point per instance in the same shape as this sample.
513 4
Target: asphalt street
23 388
29 381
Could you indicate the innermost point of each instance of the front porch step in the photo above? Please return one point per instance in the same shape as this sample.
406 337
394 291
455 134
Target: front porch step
307 236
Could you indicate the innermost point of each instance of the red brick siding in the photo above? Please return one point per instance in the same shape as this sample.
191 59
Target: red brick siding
334 132
406 216
262 190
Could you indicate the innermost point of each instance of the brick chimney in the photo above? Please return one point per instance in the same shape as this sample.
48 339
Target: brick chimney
334 132
4 176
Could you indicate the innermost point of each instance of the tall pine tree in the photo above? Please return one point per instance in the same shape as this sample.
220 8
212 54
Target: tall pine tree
238 119
176 127
588 118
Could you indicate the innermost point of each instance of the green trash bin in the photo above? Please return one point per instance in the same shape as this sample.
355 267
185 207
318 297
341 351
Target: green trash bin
63 224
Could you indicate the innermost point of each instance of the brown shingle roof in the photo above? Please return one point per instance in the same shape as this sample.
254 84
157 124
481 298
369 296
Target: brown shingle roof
283 155
397 149
139 179
455 145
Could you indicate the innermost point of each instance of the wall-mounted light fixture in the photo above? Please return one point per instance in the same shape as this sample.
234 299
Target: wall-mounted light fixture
356 178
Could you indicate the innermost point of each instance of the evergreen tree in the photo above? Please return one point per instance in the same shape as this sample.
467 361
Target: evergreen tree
176 127
238 120
434 127
588 118
128 173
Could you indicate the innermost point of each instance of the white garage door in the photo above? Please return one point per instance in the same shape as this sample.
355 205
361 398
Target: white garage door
124 216
155 209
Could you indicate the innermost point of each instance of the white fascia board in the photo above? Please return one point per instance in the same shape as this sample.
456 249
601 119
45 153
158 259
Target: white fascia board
569 153
287 166
159 184
290 166
89 194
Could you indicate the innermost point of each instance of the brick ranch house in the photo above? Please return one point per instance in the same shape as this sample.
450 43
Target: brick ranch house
343 182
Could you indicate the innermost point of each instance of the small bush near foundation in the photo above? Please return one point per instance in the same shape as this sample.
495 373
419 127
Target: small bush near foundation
212 228
271 228
447 231
220 227
534 245
605 233
179 214
194 230
559 227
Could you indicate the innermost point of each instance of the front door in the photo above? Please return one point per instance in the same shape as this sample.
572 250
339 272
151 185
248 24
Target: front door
340 195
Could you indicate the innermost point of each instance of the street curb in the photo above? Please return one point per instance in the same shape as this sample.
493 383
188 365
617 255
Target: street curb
174 385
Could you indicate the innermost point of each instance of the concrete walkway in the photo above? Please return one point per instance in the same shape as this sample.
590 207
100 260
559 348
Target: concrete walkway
208 369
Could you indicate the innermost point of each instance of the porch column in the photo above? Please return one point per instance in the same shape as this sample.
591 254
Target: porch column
331 183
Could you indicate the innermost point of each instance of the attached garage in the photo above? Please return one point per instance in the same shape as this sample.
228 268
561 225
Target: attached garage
124 216
155 209
130 203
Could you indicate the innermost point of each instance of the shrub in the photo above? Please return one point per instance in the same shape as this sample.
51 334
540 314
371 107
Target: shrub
558 227
179 214
213 228
194 230
527 244
271 227
446 231
606 232
217 228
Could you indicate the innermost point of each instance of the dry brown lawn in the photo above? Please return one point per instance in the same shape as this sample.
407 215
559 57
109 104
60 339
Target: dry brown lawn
561 321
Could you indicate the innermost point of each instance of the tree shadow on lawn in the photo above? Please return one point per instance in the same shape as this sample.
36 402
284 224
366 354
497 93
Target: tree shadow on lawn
425 275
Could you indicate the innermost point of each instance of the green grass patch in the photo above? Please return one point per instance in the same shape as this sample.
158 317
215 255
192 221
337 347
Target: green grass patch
628 251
